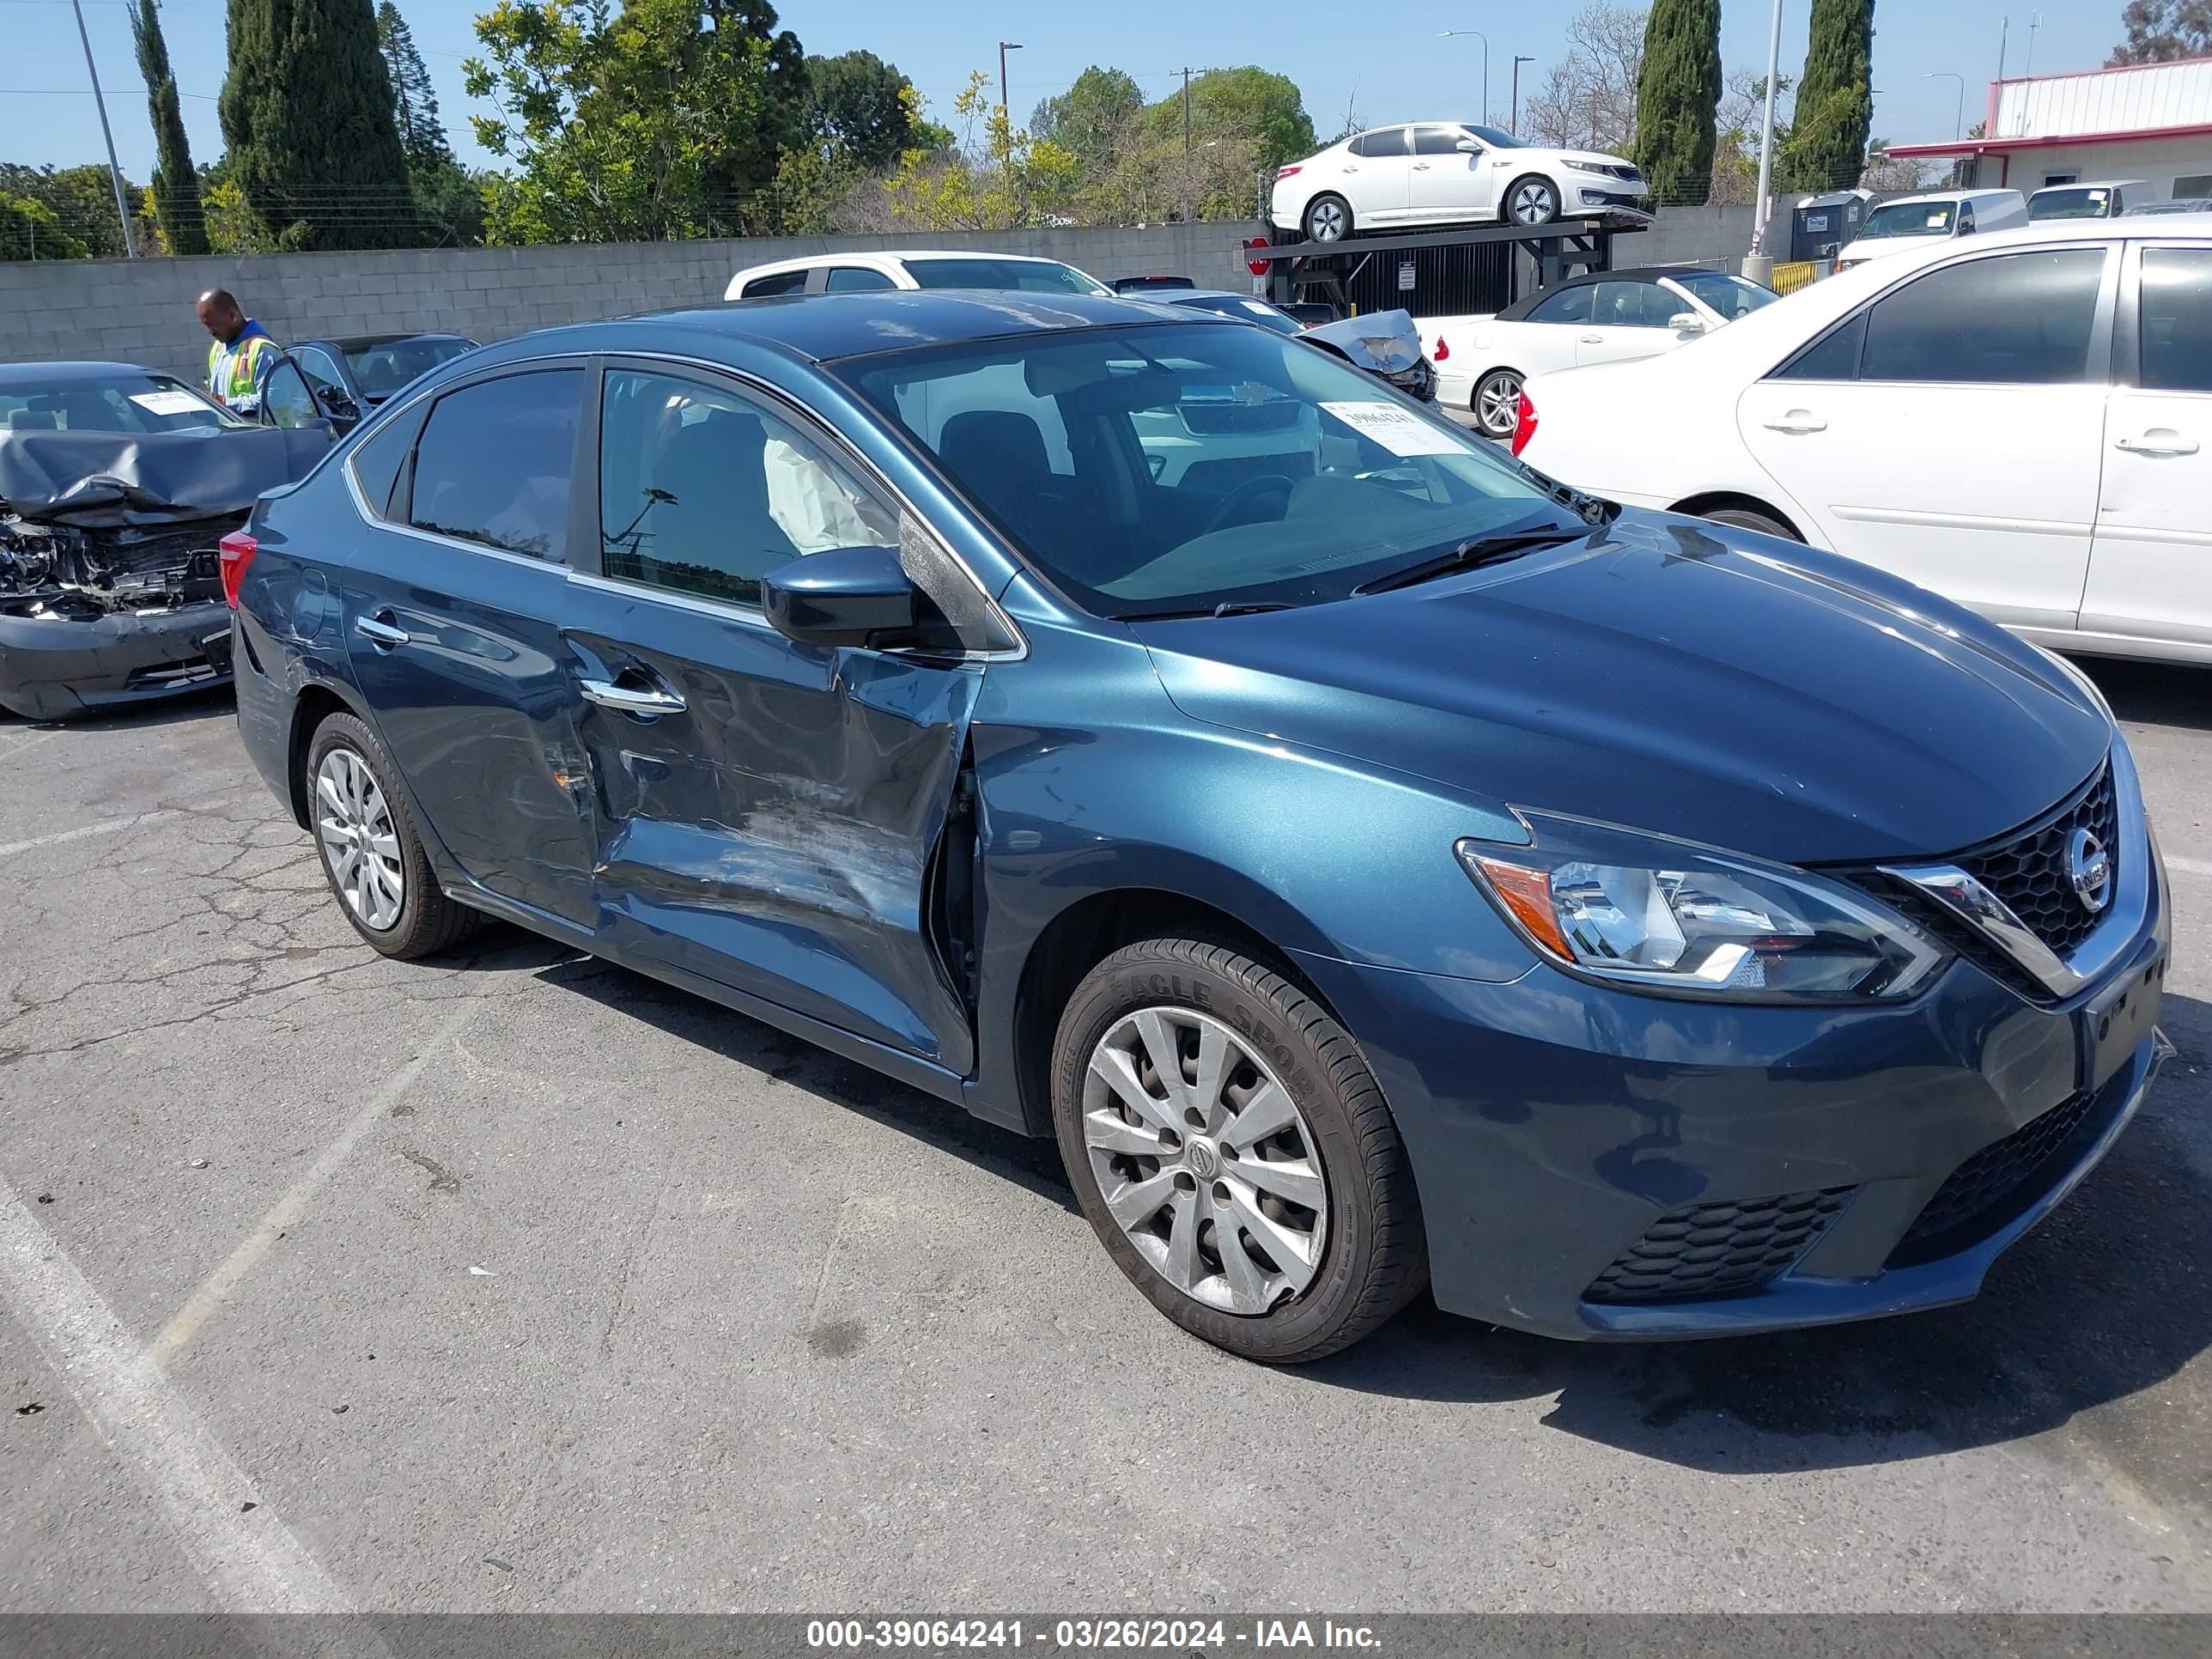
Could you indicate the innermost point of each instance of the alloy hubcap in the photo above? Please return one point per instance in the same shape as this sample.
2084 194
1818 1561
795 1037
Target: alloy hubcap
1203 1160
1501 405
1328 223
1532 204
360 846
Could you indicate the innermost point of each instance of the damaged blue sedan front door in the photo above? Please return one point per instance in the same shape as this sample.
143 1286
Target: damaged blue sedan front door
772 816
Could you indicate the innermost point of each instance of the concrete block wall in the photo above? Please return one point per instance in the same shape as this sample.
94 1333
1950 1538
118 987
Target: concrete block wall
140 310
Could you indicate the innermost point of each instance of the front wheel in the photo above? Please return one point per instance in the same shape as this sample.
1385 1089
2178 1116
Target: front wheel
1496 403
1531 200
1328 219
1233 1153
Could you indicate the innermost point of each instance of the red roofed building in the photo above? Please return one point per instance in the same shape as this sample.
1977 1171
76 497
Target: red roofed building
2147 121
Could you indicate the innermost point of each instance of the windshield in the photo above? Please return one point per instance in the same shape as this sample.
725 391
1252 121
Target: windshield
1909 219
1161 470
2089 202
383 368
1495 138
113 402
1246 310
1731 296
1029 275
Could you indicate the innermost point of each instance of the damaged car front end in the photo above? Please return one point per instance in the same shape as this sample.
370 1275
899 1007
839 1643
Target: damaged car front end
116 485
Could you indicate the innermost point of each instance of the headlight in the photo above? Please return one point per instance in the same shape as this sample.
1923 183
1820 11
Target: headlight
1670 915
1593 167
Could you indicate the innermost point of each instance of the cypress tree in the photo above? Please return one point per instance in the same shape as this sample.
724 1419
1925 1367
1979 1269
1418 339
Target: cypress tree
308 112
1835 97
176 182
1677 93
415 100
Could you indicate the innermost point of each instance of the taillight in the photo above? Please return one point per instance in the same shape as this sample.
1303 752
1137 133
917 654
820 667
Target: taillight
1442 350
1524 423
232 554
1284 173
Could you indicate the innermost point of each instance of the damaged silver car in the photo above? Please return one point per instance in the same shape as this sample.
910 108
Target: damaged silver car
116 484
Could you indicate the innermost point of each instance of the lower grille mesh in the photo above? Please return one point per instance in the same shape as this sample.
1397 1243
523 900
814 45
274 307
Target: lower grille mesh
1982 1193
1717 1249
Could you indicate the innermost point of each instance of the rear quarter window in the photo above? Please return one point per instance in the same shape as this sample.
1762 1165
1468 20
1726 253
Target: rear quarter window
493 463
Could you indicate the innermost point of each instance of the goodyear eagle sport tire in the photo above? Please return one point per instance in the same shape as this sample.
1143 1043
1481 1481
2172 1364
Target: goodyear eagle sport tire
1252 1186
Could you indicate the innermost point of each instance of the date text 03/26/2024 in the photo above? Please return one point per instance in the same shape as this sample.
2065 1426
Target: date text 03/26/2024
1113 1634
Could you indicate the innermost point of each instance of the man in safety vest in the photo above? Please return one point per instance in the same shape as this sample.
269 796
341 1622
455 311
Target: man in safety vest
242 356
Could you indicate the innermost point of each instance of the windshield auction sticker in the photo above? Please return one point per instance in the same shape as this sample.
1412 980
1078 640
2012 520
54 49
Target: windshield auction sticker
168 403
1397 430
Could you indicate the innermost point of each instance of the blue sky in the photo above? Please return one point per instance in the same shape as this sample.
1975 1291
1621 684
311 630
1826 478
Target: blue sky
1390 57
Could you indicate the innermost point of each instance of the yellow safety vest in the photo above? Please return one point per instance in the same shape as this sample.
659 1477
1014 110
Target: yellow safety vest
242 386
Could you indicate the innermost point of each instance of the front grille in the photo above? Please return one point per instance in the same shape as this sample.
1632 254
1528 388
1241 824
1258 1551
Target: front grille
1992 1186
1717 1249
2029 871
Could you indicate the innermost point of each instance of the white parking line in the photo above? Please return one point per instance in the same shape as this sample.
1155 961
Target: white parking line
250 1558
105 827
287 1211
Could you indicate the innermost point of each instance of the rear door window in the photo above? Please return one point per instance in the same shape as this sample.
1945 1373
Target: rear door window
780 281
1569 305
856 279
493 463
2177 320
1390 141
2020 319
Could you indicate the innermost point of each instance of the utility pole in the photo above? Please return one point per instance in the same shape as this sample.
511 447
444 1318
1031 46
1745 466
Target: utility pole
2004 37
1513 121
1006 47
1186 73
114 172
1485 39
2034 22
1757 266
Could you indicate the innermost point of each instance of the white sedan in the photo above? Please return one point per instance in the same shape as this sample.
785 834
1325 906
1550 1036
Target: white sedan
1606 317
1449 172
2021 422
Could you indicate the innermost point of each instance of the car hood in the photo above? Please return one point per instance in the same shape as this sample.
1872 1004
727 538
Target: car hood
104 479
1673 676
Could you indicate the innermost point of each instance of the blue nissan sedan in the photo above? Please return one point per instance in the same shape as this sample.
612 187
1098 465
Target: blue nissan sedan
1377 866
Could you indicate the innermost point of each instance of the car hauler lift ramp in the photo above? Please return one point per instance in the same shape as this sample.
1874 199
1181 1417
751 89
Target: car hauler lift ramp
1442 271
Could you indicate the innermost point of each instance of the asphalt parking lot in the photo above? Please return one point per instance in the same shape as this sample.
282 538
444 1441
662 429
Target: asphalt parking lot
516 1281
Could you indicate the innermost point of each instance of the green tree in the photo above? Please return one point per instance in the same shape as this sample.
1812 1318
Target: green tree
29 229
1007 180
81 199
1095 119
307 113
176 185
1678 94
2161 31
633 125
414 99
1246 102
1827 147
861 110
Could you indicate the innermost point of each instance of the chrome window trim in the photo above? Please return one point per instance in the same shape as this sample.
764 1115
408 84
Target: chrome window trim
2139 877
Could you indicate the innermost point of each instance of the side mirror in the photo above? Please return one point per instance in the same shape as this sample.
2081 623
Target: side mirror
846 596
1468 147
1687 324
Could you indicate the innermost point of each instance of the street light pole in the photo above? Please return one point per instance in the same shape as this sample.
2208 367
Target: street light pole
1765 152
114 172
1958 121
1006 47
1513 121
1485 39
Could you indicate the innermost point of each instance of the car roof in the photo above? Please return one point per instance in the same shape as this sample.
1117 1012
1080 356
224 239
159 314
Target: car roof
368 342
824 327
1521 306
879 259
2087 183
44 374
1943 196
1176 296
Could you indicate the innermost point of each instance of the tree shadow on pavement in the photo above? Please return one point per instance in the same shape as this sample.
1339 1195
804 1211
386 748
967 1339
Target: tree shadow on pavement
2110 1297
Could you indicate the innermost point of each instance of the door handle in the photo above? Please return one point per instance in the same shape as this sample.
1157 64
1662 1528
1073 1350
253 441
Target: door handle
379 631
1420 166
1797 420
1593 339
632 699
2160 441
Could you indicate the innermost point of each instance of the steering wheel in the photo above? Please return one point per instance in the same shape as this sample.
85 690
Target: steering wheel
1251 488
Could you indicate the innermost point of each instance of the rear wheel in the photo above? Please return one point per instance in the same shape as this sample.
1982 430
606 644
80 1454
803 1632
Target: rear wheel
371 852
1233 1153
1496 403
1744 518
1328 219
1531 200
